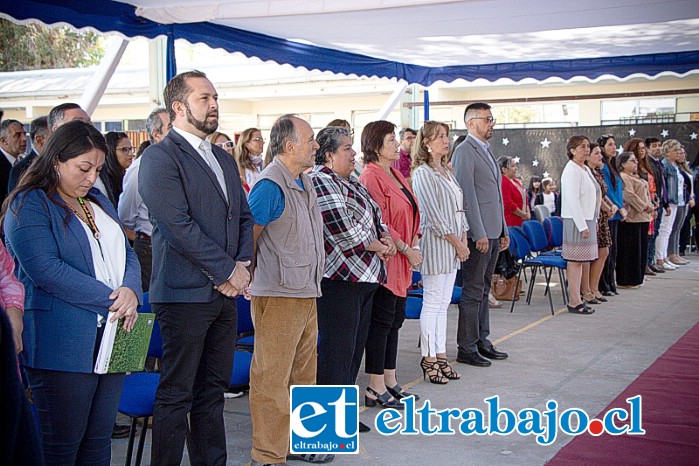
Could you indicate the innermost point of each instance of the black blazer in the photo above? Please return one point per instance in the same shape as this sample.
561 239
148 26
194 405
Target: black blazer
539 200
197 235
5 168
18 170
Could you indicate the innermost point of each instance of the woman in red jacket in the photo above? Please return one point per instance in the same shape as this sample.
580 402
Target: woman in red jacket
514 196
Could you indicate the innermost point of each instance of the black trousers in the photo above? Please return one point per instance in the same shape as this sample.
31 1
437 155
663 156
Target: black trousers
654 236
144 251
344 314
387 316
686 232
607 281
198 347
474 310
632 254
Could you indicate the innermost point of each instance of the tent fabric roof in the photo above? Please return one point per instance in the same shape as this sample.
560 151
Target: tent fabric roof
420 41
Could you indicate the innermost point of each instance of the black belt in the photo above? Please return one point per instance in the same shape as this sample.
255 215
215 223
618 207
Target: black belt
142 236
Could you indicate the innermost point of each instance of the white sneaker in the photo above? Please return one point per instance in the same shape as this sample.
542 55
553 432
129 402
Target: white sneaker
669 266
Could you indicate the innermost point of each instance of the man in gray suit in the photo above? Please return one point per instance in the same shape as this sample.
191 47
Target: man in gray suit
480 180
202 246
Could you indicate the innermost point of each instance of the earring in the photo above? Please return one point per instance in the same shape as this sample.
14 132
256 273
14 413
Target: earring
330 162
429 150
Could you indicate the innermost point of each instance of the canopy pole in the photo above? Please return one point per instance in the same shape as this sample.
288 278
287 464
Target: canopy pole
171 65
94 91
426 100
390 104
157 78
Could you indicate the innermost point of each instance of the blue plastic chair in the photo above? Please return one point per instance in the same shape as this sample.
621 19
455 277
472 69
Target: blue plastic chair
553 227
521 251
244 345
413 307
540 244
138 395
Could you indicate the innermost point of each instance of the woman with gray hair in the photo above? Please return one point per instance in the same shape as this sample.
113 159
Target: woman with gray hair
674 184
356 245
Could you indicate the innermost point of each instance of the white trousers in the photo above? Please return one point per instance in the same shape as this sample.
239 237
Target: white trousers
437 291
664 231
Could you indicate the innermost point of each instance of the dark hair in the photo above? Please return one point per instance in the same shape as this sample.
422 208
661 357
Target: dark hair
115 172
402 132
429 131
651 140
339 122
69 141
58 112
634 145
144 145
329 139
593 145
504 162
546 182
154 124
574 142
39 127
177 90
613 172
532 180
623 158
372 138
283 131
241 153
695 162
476 106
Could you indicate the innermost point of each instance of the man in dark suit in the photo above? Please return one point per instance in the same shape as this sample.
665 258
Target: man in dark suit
202 245
13 143
480 180
39 134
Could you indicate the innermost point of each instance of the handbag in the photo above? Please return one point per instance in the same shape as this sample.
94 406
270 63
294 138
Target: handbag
506 265
503 288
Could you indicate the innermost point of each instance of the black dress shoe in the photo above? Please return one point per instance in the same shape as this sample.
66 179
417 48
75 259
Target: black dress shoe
656 269
608 293
363 427
491 353
473 359
398 393
120 431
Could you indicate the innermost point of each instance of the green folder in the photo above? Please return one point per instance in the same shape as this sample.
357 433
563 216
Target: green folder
122 351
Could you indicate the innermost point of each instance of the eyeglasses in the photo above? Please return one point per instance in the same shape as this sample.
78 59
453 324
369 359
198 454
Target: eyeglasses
226 145
126 150
258 139
490 120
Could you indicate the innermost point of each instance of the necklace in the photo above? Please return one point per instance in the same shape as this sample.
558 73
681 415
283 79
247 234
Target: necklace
88 219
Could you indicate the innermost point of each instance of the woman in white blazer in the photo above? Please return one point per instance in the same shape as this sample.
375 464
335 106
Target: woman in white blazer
580 204
443 243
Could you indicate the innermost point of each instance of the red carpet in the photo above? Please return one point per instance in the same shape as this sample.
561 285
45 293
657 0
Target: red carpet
670 390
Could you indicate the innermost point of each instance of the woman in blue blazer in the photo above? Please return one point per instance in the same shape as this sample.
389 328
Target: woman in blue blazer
76 265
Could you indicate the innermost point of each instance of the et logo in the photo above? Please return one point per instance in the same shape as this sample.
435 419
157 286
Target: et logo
324 419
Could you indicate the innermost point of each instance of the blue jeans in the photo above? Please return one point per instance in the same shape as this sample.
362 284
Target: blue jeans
76 415
651 239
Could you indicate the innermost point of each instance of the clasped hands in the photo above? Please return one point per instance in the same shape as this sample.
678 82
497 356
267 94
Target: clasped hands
124 305
235 285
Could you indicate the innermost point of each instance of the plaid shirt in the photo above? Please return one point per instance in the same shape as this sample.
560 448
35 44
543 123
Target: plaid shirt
351 222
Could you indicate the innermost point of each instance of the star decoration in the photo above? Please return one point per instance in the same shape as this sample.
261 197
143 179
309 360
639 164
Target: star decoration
516 159
535 163
505 141
665 133
546 174
632 132
619 150
693 136
545 143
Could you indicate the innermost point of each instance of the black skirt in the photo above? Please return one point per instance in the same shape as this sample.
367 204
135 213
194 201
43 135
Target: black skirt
632 253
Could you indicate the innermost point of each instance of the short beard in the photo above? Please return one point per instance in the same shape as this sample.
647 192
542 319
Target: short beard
204 126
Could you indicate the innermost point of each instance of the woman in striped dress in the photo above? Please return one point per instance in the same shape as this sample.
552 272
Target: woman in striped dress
443 243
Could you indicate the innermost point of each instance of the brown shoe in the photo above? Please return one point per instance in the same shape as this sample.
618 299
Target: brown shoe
649 272
676 260
656 269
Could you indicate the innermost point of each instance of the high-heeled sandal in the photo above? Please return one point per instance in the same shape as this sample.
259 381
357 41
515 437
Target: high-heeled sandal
590 301
432 370
384 399
447 370
599 297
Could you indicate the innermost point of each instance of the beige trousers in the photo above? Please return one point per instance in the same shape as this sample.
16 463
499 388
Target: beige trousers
286 339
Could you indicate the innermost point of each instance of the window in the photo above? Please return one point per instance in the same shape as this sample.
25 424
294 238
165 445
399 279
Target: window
621 111
544 115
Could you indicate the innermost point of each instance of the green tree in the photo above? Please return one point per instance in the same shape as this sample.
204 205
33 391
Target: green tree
33 47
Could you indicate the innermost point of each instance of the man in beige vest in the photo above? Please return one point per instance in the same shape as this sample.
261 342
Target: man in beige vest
289 265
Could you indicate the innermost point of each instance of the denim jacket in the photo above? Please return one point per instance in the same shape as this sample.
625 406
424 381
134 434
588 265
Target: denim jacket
670 181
